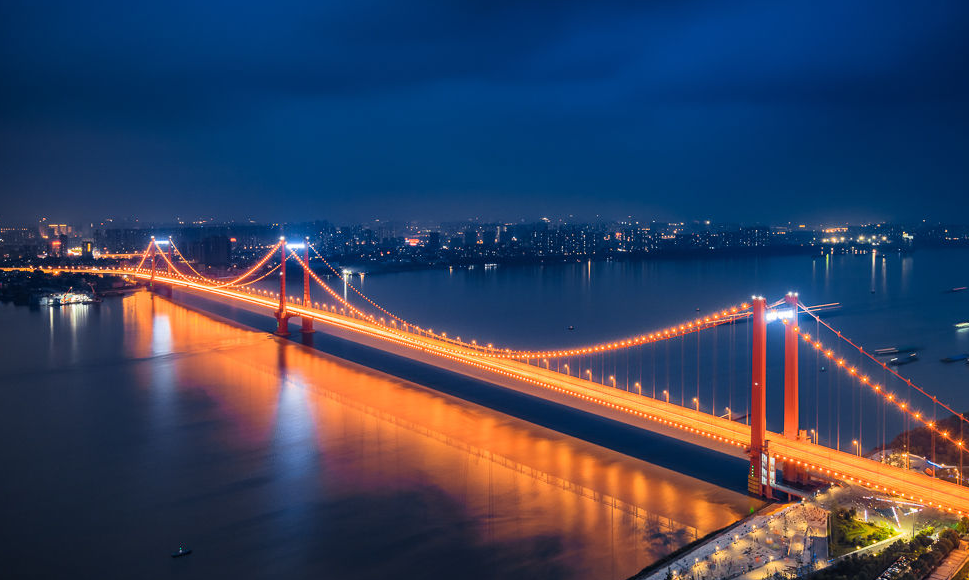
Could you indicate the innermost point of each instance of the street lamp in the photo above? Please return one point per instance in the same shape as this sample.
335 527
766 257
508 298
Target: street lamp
696 402
639 388
814 436
959 443
612 380
589 373
667 395
857 447
567 369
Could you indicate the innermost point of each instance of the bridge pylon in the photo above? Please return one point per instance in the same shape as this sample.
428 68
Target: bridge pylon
282 314
171 255
761 476
307 299
151 281
791 427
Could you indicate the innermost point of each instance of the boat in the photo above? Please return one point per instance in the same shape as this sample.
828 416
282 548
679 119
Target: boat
962 325
894 350
959 289
571 327
904 360
956 357
182 551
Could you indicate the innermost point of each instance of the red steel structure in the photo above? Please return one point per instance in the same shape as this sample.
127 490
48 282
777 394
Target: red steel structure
307 300
791 426
282 314
758 482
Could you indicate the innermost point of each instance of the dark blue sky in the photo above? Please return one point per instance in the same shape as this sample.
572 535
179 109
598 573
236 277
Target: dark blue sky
440 109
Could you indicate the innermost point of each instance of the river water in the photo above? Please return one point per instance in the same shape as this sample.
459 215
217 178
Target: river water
142 423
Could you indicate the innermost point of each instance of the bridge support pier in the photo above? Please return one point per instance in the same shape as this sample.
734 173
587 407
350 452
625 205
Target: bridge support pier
307 299
761 476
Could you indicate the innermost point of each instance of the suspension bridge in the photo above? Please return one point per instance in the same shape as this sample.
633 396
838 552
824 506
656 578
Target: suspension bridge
613 380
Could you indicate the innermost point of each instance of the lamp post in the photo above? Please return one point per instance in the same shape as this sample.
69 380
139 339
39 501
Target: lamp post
696 403
666 394
857 447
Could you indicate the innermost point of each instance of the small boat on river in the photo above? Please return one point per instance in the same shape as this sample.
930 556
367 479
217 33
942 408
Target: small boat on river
956 358
904 359
890 350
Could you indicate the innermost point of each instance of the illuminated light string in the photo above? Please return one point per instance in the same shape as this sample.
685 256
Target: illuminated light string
253 281
889 369
329 290
171 265
354 288
220 284
144 256
865 482
722 317
875 387
180 255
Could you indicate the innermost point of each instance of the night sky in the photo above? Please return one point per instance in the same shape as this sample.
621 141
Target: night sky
412 109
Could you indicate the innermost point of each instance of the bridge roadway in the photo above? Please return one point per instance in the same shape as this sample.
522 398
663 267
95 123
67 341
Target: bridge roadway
716 433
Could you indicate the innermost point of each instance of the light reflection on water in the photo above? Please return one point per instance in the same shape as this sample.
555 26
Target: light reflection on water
268 457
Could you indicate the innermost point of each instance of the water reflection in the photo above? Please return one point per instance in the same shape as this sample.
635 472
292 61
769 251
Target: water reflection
315 431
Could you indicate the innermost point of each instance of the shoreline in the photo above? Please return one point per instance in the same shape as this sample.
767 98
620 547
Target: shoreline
700 542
